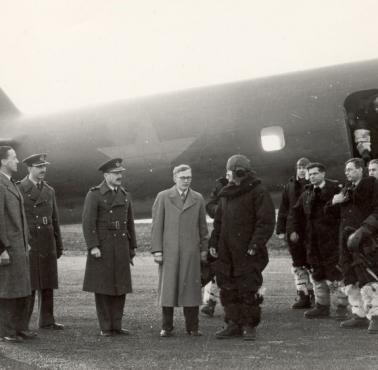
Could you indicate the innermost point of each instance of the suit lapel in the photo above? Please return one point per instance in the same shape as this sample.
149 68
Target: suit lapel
190 200
174 196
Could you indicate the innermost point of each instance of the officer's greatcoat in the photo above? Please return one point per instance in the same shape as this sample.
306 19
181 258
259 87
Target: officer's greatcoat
46 242
108 223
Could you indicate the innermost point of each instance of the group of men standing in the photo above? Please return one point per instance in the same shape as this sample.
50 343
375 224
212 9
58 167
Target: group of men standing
30 244
331 231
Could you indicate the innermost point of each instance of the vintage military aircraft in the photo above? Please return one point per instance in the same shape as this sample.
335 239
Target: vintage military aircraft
272 120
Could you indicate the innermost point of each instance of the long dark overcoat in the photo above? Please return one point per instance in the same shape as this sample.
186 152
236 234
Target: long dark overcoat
360 209
15 277
245 218
321 230
46 242
180 232
108 223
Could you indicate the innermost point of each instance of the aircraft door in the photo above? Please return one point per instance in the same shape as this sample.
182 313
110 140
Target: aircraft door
361 110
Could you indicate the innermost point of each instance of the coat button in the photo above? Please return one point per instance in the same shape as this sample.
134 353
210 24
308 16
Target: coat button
36 216
123 234
114 235
110 211
38 227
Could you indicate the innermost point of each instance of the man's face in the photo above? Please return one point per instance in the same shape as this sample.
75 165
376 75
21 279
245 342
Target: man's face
352 173
373 170
316 176
229 175
183 179
113 178
375 104
301 172
11 162
38 173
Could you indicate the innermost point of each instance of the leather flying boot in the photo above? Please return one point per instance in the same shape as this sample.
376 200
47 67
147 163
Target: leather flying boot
373 326
319 311
230 331
209 308
355 322
302 301
341 313
249 333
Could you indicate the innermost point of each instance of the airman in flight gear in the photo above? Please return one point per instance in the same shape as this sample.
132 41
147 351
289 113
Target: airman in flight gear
292 190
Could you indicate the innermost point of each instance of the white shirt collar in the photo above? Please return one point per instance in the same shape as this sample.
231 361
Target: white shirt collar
321 186
182 192
6 175
34 182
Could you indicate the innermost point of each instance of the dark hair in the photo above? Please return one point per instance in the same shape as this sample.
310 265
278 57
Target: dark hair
4 152
373 161
358 162
317 165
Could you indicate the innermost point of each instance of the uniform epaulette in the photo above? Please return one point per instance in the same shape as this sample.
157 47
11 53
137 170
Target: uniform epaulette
94 188
47 185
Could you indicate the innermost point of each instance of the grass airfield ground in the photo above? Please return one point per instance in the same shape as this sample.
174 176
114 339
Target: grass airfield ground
285 339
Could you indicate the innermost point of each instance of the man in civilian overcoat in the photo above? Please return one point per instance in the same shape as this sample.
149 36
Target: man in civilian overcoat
46 242
14 256
109 232
179 243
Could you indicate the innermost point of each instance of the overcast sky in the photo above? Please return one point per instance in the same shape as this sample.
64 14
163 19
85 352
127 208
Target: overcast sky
58 54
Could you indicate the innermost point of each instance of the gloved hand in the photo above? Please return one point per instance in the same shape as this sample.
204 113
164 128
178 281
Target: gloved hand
355 239
158 258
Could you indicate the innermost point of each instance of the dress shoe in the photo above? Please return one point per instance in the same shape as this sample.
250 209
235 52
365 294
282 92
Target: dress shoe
106 333
11 339
166 333
194 333
341 313
53 326
121 332
27 334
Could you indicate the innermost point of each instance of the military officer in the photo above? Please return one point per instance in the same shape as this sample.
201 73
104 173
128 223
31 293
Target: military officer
108 226
46 242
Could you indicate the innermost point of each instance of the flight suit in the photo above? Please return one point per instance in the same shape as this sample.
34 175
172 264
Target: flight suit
108 223
46 245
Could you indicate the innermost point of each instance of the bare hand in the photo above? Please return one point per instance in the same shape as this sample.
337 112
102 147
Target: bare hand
213 252
339 198
4 258
294 237
281 236
158 258
95 252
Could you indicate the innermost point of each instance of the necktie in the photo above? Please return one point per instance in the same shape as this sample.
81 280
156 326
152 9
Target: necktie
183 196
39 186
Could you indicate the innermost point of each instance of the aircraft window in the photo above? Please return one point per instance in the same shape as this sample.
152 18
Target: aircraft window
272 138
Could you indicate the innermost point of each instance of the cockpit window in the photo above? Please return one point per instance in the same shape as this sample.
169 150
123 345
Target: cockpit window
272 138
